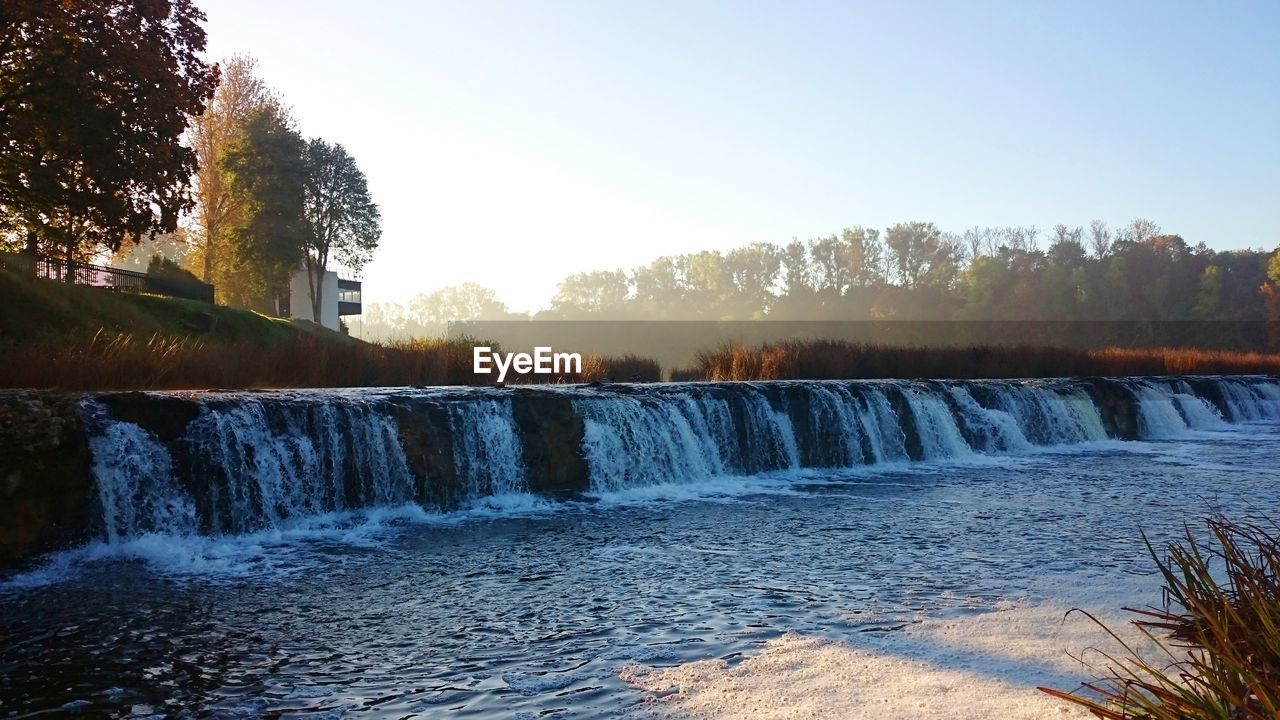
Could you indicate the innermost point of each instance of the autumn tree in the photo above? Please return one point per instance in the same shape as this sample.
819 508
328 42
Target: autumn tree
266 175
95 96
1270 290
239 93
342 221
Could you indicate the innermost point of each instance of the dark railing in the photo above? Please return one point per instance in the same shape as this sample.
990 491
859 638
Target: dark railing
109 277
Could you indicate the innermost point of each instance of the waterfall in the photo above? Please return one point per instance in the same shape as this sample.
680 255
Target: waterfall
1159 416
487 448
768 436
993 429
885 434
632 441
1250 402
1200 414
1049 415
264 464
135 485
940 437
241 462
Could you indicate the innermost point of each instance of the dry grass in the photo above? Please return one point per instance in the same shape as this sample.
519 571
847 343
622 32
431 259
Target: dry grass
119 362
125 362
832 359
1218 632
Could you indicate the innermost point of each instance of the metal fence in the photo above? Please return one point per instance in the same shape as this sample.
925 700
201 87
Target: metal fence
111 278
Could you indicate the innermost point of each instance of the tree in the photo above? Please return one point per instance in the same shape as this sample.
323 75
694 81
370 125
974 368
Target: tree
1209 294
462 303
1063 234
1139 230
95 96
830 269
977 241
753 271
267 174
707 279
1021 239
341 219
917 249
213 132
864 255
1270 291
797 273
1099 239
659 290
599 292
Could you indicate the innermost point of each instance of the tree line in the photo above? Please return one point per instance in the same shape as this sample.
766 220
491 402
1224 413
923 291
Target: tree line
910 271
115 134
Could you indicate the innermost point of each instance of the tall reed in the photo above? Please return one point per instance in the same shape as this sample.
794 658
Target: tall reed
159 362
835 359
1217 634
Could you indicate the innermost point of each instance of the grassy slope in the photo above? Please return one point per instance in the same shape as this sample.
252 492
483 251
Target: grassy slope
42 310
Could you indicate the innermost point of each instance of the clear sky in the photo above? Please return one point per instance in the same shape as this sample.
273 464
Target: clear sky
510 143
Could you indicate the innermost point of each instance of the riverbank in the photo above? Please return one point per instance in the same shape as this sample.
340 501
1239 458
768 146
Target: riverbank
74 338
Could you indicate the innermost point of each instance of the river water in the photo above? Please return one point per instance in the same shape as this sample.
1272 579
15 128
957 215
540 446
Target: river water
516 605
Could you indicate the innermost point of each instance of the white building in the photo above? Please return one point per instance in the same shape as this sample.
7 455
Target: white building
338 299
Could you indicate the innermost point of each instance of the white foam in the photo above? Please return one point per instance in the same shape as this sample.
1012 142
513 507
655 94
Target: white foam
977 665
274 551
725 488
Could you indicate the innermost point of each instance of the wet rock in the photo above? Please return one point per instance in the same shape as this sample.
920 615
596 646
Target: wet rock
427 441
551 436
907 421
165 415
1116 405
1210 390
46 495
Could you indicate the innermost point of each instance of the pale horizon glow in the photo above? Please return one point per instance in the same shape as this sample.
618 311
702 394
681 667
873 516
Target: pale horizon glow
512 143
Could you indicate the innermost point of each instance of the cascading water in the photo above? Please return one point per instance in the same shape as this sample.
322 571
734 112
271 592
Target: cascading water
940 437
993 429
1250 402
263 464
1158 416
885 433
487 448
1061 415
632 442
246 462
136 489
